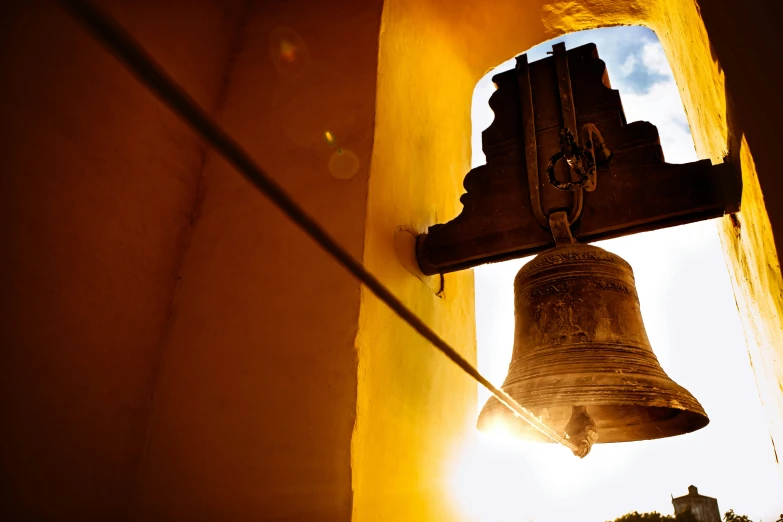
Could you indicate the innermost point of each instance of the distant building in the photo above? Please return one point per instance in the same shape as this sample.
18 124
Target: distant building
705 509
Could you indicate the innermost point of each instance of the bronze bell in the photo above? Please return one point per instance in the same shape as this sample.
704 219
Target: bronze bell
582 361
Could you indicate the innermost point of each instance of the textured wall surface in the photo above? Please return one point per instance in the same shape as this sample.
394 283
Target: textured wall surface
414 405
256 400
97 189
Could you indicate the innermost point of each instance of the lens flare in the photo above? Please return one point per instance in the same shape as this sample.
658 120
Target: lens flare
343 164
329 138
288 51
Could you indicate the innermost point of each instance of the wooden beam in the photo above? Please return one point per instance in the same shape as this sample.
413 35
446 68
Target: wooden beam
637 190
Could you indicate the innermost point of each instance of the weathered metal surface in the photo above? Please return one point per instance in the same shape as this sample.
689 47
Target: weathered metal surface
505 211
568 114
581 430
529 137
579 342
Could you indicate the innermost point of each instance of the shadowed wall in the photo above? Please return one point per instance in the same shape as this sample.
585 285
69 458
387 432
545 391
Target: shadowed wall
98 188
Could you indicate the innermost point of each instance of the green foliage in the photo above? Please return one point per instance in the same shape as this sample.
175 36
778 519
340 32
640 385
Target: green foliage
731 516
643 517
656 517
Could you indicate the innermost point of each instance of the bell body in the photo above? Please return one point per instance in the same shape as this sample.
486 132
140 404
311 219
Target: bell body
579 341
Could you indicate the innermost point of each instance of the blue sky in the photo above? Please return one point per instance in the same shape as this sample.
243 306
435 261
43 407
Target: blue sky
691 319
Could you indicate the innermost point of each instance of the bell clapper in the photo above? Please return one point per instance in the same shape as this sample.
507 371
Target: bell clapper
581 430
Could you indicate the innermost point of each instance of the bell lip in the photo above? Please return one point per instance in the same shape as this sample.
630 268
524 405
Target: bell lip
687 420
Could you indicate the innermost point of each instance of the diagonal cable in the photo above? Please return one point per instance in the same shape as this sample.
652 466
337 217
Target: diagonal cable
109 33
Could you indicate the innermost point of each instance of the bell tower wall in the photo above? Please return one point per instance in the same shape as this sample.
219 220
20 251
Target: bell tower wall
175 349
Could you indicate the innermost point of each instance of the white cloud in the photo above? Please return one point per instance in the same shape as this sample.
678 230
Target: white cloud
658 102
629 65
661 105
654 59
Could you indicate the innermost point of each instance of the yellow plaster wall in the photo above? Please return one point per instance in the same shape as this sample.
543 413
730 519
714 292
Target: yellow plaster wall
755 269
413 404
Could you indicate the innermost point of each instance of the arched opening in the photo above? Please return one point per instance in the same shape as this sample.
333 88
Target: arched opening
431 56
694 327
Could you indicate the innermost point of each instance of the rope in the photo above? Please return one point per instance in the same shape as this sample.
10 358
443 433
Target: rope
108 32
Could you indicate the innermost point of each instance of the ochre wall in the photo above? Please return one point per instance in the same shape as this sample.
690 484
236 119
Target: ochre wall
175 348
414 405
256 399
267 384
97 189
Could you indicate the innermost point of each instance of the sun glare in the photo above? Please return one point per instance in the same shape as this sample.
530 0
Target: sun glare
497 477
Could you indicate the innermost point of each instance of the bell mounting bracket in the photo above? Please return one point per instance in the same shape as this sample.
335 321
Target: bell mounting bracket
560 143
